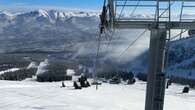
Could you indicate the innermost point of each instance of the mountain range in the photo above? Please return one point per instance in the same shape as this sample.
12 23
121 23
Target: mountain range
76 32
46 29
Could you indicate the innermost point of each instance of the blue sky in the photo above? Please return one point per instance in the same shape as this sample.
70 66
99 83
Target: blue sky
24 5
77 4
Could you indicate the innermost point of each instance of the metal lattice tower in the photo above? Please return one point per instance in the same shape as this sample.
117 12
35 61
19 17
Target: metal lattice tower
160 24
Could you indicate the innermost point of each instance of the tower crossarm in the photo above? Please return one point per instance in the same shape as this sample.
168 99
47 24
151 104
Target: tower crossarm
119 15
151 24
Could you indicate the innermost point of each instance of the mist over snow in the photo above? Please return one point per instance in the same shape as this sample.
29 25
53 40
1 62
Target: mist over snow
70 72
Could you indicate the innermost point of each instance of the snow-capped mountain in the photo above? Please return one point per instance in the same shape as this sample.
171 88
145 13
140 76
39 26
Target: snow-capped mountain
4 15
54 30
45 29
53 15
5 18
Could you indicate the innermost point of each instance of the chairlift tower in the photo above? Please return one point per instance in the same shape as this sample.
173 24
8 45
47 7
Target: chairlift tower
160 26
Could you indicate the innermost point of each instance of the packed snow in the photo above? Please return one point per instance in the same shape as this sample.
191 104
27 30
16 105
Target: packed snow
29 95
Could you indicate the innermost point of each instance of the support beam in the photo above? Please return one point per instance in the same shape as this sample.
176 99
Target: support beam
156 77
152 24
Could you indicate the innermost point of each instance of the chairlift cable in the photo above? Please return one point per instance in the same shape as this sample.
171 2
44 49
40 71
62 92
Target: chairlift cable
178 34
98 45
133 11
169 35
132 43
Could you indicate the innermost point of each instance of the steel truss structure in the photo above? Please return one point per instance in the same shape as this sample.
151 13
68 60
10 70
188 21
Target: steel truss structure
160 25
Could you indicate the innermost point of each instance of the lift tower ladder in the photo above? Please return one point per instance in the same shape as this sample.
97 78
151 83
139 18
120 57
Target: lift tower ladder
160 36
159 27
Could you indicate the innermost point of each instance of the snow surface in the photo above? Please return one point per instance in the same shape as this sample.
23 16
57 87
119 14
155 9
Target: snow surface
29 95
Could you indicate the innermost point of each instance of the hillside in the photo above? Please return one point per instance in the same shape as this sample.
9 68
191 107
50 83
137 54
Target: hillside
181 59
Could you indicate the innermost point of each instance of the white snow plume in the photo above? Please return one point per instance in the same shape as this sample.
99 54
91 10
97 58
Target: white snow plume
70 72
42 68
114 48
9 70
32 65
123 47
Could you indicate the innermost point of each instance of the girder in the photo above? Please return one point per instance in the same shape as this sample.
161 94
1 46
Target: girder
143 23
152 24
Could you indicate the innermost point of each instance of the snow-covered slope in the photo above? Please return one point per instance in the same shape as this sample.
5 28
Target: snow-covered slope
27 95
181 59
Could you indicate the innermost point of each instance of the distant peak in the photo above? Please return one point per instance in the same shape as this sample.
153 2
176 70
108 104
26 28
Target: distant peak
42 12
5 13
51 14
